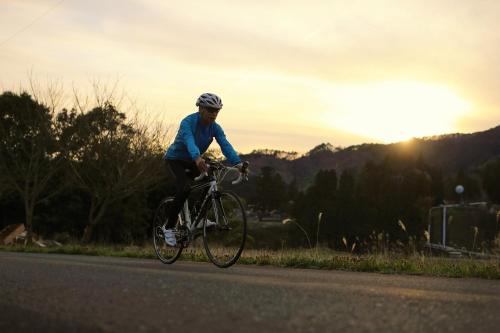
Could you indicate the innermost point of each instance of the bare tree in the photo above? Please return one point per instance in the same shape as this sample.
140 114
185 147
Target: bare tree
110 158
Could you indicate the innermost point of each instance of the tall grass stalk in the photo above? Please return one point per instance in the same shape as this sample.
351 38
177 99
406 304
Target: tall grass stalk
285 221
320 215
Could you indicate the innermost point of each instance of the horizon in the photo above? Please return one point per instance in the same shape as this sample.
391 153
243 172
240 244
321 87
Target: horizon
430 138
342 73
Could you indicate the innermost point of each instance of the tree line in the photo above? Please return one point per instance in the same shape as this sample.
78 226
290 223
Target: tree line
94 174
89 174
389 199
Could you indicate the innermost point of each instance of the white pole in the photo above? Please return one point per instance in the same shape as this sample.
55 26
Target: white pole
444 226
429 219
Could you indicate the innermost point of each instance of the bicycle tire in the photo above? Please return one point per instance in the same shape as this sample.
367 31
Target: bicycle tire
166 254
225 241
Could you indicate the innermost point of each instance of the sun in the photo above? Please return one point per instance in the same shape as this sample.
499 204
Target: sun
394 111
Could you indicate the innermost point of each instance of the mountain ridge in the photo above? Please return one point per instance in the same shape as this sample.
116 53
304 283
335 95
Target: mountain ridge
449 152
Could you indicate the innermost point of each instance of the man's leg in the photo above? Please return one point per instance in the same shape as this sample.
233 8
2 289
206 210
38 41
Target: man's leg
178 168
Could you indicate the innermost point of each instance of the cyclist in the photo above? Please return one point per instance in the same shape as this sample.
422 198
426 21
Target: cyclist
195 135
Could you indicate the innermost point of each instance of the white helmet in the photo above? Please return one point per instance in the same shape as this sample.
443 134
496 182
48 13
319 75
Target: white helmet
209 100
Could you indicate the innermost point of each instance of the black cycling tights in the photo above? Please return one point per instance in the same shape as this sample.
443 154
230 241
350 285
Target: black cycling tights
182 184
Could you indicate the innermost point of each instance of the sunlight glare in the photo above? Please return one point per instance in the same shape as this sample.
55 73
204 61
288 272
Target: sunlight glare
394 111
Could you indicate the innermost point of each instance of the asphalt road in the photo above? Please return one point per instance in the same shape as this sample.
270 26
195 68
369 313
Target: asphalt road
63 293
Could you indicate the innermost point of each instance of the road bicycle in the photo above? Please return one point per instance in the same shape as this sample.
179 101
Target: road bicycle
217 215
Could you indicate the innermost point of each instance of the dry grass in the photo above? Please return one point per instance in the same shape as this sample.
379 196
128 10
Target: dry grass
319 258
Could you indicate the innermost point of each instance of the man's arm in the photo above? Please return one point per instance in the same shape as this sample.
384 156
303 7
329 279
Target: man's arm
225 146
187 135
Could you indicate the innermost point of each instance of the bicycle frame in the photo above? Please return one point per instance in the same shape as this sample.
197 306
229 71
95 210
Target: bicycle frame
192 225
215 177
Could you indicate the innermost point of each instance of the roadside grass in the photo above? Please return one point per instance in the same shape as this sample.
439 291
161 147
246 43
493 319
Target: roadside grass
323 258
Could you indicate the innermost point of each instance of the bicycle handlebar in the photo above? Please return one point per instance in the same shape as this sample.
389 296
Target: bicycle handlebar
243 172
201 176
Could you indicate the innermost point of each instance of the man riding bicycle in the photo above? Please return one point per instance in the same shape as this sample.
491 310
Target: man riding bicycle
195 135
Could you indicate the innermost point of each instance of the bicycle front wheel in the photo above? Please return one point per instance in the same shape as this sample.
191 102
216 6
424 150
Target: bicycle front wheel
224 238
167 254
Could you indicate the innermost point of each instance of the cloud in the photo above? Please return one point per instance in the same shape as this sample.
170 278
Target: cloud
328 40
274 55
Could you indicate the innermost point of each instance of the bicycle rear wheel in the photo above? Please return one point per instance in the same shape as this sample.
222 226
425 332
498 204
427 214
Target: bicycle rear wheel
225 240
167 254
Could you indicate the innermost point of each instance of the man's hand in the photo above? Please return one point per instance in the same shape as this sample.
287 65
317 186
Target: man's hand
242 167
239 166
202 166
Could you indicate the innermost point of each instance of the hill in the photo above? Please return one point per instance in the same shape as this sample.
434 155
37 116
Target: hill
450 152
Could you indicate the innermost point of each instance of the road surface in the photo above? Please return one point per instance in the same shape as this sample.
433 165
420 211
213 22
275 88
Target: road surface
69 293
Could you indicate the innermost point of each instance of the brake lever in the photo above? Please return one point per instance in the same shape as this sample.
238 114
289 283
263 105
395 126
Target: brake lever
243 176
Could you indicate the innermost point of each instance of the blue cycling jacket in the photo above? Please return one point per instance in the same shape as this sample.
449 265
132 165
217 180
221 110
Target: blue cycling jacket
193 139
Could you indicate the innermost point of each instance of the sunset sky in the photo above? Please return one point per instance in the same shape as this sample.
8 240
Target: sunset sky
291 74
